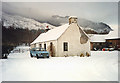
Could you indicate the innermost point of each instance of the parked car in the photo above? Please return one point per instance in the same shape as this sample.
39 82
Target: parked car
108 49
39 53
111 49
95 49
105 49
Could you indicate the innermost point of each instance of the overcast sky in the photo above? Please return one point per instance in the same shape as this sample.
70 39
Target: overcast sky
95 11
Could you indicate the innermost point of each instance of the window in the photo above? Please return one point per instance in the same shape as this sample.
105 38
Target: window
34 45
65 46
110 42
40 45
45 46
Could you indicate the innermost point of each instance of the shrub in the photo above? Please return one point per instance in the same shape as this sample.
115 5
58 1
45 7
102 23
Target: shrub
87 54
66 55
82 55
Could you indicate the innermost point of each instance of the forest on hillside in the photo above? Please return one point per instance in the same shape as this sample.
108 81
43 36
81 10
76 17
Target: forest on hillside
12 37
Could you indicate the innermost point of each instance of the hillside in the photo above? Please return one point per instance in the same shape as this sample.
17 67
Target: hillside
88 26
23 22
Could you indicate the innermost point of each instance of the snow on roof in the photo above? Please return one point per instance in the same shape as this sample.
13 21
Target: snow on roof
102 38
98 38
84 31
72 17
52 34
113 34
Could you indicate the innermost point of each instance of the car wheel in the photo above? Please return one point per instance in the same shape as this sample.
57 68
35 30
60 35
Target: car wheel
31 55
37 56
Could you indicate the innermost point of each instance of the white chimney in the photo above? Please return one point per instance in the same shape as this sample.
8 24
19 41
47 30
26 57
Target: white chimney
72 19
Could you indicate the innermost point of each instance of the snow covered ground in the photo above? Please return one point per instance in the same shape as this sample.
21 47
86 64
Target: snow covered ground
101 66
0 70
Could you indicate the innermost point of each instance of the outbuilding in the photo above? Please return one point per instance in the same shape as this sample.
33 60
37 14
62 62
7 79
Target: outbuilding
111 40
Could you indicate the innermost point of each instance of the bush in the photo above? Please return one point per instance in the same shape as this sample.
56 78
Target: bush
82 55
87 54
66 55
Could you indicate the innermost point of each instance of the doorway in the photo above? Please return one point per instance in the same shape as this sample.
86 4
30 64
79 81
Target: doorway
51 49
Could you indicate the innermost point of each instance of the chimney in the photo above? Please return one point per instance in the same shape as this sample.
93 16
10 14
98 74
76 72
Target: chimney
72 19
47 28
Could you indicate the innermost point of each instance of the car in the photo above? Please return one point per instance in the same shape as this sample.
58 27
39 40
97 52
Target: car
108 49
95 49
39 53
105 49
111 49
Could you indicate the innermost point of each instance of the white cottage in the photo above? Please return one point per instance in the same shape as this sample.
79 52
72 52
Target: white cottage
66 40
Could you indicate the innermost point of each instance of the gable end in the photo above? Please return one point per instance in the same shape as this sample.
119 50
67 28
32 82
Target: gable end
84 38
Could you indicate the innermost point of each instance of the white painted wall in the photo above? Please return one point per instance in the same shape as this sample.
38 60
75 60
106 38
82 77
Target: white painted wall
72 36
37 45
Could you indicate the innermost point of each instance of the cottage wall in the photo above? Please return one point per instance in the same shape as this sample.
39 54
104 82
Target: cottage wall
32 46
72 36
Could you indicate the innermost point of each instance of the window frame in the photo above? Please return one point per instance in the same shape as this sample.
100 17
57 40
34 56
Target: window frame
65 46
40 45
45 46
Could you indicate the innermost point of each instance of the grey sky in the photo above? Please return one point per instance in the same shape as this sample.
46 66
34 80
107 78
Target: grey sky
96 11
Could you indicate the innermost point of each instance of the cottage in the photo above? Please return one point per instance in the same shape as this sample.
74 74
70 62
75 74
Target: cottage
65 40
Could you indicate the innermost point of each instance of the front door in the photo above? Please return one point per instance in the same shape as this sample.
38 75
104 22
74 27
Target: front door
51 49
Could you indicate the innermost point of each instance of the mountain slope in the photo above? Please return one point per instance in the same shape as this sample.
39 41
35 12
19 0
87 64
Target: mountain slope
87 25
22 22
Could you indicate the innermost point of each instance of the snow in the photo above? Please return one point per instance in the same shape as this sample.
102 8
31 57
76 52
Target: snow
97 38
102 38
88 28
23 22
101 66
0 70
72 17
113 34
52 34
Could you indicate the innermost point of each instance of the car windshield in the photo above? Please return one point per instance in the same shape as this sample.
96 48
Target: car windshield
38 49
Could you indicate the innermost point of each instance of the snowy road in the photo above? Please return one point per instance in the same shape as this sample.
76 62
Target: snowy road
101 66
